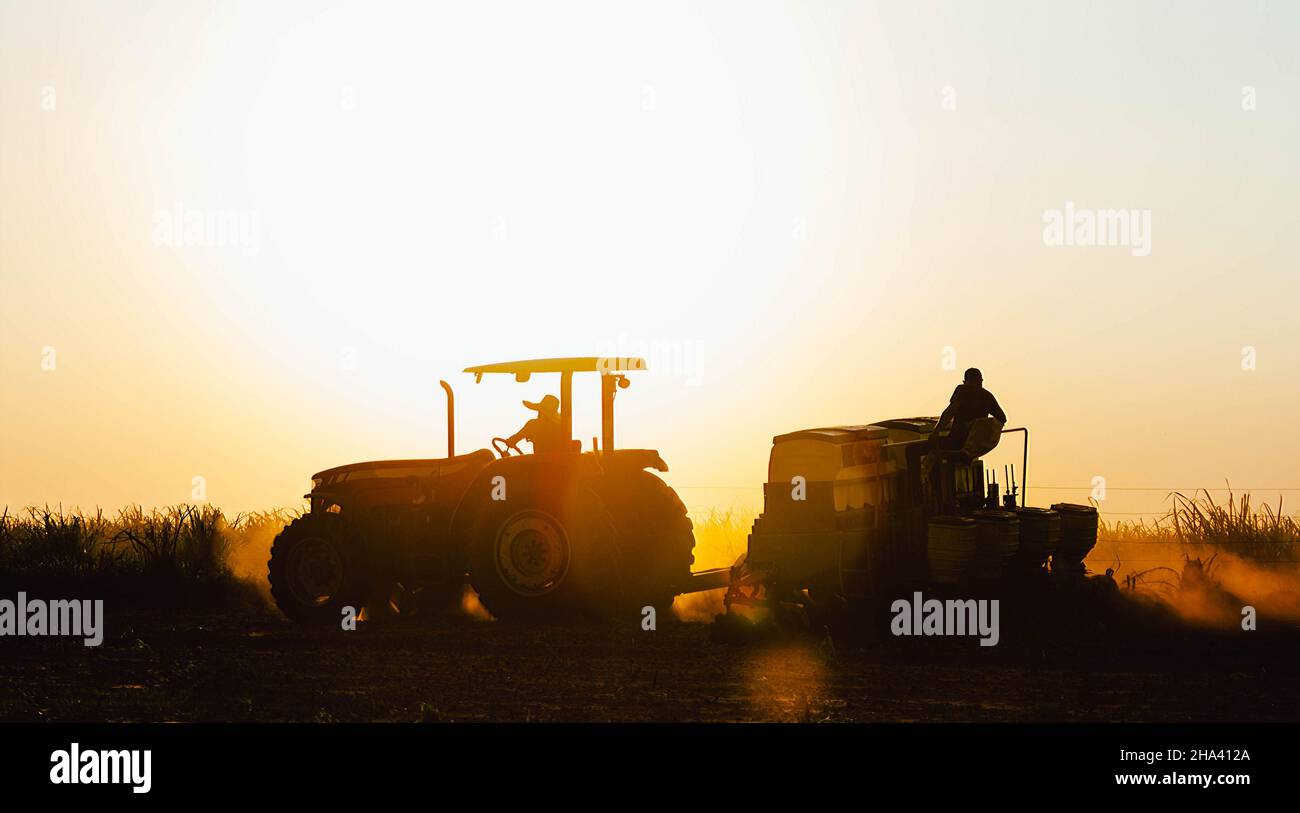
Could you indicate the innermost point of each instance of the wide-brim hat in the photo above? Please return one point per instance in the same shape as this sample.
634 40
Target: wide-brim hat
548 404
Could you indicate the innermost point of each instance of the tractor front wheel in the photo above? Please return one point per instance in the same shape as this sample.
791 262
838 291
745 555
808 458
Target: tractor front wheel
314 571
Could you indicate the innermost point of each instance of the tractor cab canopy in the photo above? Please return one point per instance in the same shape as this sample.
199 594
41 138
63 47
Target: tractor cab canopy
611 369
521 370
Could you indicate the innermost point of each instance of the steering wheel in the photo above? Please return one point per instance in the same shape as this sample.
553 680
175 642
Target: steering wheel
504 447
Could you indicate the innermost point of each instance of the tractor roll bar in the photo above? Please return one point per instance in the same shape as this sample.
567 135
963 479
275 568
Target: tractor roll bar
1024 465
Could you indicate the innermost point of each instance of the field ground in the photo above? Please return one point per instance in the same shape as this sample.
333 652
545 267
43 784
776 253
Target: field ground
1100 655
259 667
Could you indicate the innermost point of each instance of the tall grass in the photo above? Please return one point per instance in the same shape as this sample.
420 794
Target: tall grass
720 537
251 535
192 554
174 556
1260 533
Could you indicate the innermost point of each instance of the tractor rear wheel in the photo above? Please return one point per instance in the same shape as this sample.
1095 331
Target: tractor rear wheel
655 535
314 571
546 552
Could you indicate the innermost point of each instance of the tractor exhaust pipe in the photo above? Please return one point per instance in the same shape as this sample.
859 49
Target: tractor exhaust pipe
451 419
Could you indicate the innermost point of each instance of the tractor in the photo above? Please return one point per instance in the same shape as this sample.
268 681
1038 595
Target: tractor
568 532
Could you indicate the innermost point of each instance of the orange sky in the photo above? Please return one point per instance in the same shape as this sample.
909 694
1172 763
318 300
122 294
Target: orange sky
791 209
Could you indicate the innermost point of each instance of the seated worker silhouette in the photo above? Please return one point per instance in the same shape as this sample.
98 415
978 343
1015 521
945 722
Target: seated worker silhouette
969 403
970 406
545 431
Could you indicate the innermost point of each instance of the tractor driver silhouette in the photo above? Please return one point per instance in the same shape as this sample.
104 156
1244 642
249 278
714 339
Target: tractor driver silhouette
545 431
